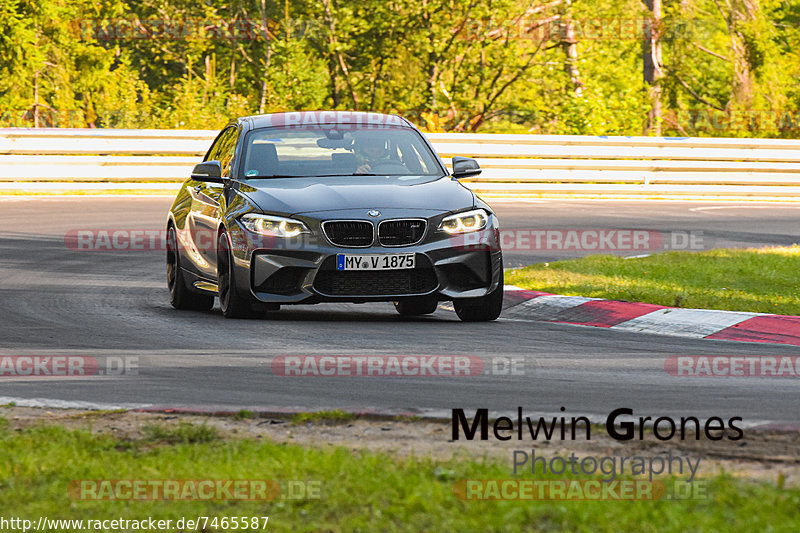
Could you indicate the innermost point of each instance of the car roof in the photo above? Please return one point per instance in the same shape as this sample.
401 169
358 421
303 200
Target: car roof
299 118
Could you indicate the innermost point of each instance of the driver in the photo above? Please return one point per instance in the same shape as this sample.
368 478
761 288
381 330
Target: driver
370 151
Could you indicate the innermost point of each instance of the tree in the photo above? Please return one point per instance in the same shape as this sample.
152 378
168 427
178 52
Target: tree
651 62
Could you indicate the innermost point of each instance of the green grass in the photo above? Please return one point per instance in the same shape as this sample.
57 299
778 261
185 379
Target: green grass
180 433
763 280
322 417
243 414
359 491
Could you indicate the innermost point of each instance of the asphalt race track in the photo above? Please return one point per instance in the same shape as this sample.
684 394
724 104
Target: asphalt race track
59 301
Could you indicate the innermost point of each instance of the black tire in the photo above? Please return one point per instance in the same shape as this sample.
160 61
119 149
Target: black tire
481 309
416 306
231 301
180 296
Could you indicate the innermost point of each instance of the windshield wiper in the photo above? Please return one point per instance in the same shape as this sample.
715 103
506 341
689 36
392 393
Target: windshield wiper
359 174
354 175
276 176
322 175
307 176
336 175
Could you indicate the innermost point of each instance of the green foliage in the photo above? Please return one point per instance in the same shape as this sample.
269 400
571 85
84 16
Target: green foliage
449 65
181 433
243 414
336 415
297 77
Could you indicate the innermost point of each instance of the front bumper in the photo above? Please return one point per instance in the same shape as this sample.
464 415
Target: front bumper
445 269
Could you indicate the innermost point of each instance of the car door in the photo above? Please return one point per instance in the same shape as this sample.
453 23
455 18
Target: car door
204 216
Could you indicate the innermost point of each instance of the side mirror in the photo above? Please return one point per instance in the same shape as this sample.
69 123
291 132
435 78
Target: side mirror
464 167
210 171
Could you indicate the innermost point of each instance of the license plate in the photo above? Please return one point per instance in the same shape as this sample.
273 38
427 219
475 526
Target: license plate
374 262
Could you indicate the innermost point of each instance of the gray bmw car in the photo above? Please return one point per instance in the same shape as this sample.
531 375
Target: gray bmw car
324 206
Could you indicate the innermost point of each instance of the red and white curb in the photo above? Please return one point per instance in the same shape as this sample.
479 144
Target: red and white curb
522 304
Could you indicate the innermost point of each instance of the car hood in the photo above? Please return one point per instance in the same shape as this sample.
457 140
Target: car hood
305 195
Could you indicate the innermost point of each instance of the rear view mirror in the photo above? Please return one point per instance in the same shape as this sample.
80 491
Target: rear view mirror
210 171
332 144
464 167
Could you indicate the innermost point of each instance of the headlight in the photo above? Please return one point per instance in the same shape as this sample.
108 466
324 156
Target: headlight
274 226
466 222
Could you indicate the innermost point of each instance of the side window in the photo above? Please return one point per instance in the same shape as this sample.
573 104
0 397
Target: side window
214 150
223 149
227 149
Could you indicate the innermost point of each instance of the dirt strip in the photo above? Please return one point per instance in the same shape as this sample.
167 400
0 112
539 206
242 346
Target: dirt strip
768 455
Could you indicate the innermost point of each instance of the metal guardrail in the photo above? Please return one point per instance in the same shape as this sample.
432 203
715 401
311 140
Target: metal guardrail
513 164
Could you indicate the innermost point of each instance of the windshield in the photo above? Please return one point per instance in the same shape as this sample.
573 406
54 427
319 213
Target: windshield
336 150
